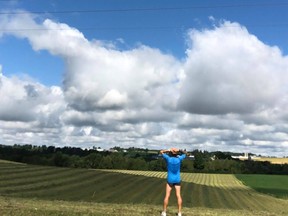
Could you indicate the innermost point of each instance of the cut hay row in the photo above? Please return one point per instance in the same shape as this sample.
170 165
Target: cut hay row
131 187
216 180
217 190
75 184
9 162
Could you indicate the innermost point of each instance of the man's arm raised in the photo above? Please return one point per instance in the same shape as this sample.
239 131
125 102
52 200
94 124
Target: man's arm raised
164 151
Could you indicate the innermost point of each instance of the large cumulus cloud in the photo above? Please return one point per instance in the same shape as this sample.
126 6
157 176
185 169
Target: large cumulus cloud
228 93
29 112
229 70
26 100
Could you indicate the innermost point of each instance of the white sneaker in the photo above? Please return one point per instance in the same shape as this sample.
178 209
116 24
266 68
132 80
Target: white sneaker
179 214
163 213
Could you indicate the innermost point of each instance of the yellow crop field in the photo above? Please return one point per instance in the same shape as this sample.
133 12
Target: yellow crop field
272 160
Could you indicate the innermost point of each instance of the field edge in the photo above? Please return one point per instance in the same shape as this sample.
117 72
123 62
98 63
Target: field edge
32 207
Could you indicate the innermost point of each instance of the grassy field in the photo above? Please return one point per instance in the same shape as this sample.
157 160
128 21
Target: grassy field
37 190
35 207
276 185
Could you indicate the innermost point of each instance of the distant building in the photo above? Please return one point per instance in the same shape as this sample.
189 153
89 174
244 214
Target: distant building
190 157
113 150
99 149
246 156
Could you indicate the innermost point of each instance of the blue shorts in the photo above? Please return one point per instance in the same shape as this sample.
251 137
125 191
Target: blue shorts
174 184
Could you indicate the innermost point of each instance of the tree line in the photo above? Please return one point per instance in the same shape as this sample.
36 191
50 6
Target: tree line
134 159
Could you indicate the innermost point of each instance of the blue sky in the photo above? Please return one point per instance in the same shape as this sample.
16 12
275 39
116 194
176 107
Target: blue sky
145 73
159 24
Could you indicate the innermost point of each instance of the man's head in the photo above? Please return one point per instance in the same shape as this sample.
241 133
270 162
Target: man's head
174 151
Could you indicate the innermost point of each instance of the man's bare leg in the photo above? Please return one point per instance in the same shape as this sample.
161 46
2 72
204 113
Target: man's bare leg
167 196
179 198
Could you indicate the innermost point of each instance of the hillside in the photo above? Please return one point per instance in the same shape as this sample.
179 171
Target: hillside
26 183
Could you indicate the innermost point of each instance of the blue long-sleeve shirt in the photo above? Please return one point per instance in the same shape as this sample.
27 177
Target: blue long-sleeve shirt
173 168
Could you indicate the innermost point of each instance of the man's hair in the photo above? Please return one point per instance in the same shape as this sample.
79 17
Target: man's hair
173 155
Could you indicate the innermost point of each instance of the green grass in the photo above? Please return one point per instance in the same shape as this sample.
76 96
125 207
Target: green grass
34 207
67 191
276 185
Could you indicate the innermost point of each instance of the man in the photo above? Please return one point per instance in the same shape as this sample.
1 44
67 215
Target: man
173 160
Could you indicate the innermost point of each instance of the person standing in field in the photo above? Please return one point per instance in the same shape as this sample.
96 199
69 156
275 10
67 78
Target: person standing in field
173 158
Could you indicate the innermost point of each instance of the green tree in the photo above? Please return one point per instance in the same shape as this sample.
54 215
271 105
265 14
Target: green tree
118 161
157 165
199 160
93 160
61 160
106 163
187 166
77 162
137 164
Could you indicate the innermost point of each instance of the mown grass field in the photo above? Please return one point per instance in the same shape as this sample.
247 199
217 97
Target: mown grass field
275 185
38 190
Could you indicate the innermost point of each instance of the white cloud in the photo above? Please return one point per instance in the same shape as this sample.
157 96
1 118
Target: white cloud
229 70
230 122
136 75
93 70
29 111
111 99
17 99
228 93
